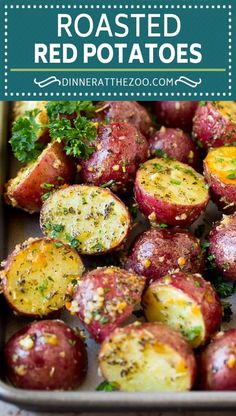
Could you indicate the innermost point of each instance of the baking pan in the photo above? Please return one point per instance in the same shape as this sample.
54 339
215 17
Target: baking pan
16 226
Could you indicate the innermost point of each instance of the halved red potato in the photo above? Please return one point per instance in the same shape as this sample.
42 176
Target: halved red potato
39 276
220 174
105 298
93 220
176 113
147 357
46 355
176 144
119 149
215 123
157 252
187 303
36 180
222 239
170 192
20 108
217 364
125 111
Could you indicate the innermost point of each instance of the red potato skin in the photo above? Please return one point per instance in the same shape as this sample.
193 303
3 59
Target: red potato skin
164 211
120 148
222 239
125 111
119 286
203 293
169 246
176 144
53 163
217 369
164 334
212 128
176 113
68 357
224 195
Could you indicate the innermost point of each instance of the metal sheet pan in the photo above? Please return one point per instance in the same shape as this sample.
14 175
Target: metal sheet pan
16 226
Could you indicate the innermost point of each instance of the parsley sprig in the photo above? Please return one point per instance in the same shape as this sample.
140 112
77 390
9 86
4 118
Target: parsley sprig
76 132
25 133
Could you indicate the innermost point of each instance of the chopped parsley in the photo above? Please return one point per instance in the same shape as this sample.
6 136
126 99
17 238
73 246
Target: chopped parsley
231 176
43 287
163 225
175 182
107 184
74 243
24 140
162 154
193 333
106 386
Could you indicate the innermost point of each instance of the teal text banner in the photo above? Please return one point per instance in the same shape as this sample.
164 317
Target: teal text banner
124 50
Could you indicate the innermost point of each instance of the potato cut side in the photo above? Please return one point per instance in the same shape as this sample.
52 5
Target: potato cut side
221 162
226 109
173 182
173 307
93 220
39 276
138 362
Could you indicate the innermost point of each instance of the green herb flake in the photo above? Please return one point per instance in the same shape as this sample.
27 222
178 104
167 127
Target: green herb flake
163 225
107 184
106 386
58 244
43 287
45 196
231 176
175 182
192 333
104 320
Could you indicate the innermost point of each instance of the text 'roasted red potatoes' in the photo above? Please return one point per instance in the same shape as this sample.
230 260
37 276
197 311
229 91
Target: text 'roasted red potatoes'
39 275
176 113
119 149
222 241
53 168
46 355
220 174
215 123
187 303
91 219
105 298
217 364
147 357
170 192
125 111
175 144
157 252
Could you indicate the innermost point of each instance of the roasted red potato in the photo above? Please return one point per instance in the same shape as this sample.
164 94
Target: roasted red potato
157 252
147 357
176 113
217 364
187 303
168 191
220 174
222 241
175 144
20 108
215 123
125 111
46 355
36 180
39 275
93 220
119 149
105 298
